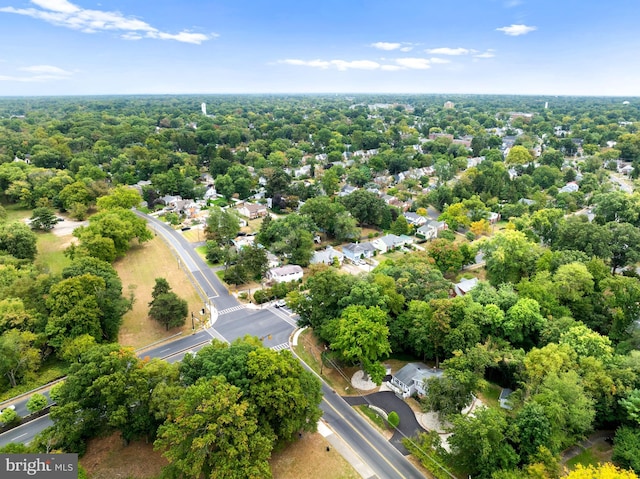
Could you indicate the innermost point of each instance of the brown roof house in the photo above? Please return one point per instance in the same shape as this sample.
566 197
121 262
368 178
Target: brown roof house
252 210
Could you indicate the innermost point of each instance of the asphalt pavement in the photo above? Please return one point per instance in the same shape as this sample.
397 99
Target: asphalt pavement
230 320
388 401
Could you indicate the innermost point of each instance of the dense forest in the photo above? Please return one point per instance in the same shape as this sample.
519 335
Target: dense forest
554 315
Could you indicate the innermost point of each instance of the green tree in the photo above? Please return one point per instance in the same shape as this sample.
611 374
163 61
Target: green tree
110 300
16 239
169 310
213 431
569 409
109 389
393 419
119 225
37 402
523 322
480 446
120 197
625 245
447 396
534 430
18 355
222 225
509 256
362 336
518 155
400 226
366 207
253 259
447 255
74 309
9 417
43 219
626 448
287 396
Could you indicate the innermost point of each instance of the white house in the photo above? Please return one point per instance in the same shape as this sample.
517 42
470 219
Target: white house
570 187
387 243
284 274
430 229
414 219
411 379
326 256
427 231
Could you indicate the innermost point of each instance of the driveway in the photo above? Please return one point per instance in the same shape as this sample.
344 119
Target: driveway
388 401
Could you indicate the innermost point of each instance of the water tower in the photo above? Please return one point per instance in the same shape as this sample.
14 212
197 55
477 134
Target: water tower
204 109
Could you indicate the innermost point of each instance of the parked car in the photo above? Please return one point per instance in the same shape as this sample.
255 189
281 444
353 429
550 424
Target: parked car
281 303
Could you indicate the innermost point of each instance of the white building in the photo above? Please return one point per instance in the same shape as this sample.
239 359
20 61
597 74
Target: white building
284 274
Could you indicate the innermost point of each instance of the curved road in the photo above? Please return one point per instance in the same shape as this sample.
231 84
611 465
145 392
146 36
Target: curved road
230 320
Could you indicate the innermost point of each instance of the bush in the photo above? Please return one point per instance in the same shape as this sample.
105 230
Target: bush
393 419
36 403
9 417
261 296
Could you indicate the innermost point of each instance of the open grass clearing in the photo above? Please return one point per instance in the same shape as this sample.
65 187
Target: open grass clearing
599 453
138 271
51 251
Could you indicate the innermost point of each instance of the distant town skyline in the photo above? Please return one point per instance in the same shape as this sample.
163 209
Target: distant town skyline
541 47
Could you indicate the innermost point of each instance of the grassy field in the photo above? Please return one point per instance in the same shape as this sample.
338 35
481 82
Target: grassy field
138 271
306 458
599 453
51 251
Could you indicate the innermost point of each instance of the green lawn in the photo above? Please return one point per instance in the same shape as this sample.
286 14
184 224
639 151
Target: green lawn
51 252
490 395
16 212
597 454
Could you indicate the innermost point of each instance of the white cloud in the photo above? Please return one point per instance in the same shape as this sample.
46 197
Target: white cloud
57 5
355 65
449 51
516 30
488 54
46 69
39 73
439 60
406 49
65 14
341 65
513 3
414 63
391 68
387 46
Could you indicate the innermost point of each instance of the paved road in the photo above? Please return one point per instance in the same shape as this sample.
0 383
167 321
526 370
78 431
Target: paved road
378 453
274 326
388 401
26 432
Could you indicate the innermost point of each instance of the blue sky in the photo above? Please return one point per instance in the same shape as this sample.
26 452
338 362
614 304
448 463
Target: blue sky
550 47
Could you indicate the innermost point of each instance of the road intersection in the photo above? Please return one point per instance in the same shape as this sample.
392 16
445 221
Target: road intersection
229 320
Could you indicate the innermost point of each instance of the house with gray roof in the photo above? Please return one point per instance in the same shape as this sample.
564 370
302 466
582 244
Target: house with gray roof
356 251
388 243
326 256
411 379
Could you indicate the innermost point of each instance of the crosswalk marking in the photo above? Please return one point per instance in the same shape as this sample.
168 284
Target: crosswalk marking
280 347
230 310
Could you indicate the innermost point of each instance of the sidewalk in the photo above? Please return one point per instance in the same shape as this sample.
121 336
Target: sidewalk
345 451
